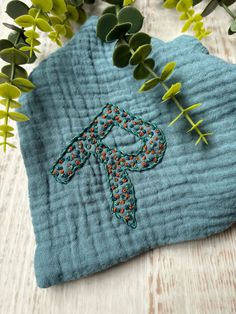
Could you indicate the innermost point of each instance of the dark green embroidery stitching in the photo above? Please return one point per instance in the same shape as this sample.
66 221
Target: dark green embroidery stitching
115 162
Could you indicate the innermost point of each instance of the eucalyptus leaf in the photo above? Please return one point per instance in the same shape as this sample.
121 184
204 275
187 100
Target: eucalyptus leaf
32 58
23 84
82 15
40 14
31 33
105 24
170 4
72 13
6 134
233 26
16 8
18 71
3 114
13 27
9 91
141 72
139 39
59 7
16 37
212 5
32 41
6 128
45 5
121 56
4 78
12 55
4 43
172 91
167 70
140 54
115 2
131 15
43 25
17 116
111 9
118 31
11 145
183 5
150 84
12 103
25 20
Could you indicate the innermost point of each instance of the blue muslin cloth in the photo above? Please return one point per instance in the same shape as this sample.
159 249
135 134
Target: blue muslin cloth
191 194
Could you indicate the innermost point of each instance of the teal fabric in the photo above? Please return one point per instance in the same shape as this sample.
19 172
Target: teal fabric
191 194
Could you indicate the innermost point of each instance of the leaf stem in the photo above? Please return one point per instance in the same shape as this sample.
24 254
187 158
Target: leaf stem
8 101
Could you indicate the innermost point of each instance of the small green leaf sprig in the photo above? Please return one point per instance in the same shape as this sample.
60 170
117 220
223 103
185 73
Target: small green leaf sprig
121 22
50 16
192 20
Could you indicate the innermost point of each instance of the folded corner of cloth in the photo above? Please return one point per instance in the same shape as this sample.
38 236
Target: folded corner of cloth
125 181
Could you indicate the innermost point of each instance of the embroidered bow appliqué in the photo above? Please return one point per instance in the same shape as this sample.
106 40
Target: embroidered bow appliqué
116 163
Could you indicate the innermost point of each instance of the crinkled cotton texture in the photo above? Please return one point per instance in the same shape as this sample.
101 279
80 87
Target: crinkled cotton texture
191 194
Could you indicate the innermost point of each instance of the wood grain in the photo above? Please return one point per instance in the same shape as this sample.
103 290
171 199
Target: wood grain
194 277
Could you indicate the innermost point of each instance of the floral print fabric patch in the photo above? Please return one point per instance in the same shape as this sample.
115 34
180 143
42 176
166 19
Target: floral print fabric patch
116 163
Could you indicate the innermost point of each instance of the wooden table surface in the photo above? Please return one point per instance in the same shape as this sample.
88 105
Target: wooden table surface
193 277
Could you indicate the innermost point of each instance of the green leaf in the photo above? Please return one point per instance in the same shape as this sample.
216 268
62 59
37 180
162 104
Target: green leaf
6 128
60 29
59 7
233 26
195 126
82 15
131 15
176 119
111 9
105 24
31 34
4 43
17 116
43 25
16 37
121 56
172 91
9 91
141 72
72 13
16 8
78 2
150 84
27 52
140 54
184 5
212 5
23 84
32 41
167 70
12 55
10 144
6 134
19 71
3 78
115 2
118 31
25 20
170 4
69 31
186 26
12 104
13 27
3 114
46 6
138 40
192 107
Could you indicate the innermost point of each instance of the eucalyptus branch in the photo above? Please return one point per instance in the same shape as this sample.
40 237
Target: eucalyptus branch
51 16
123 23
